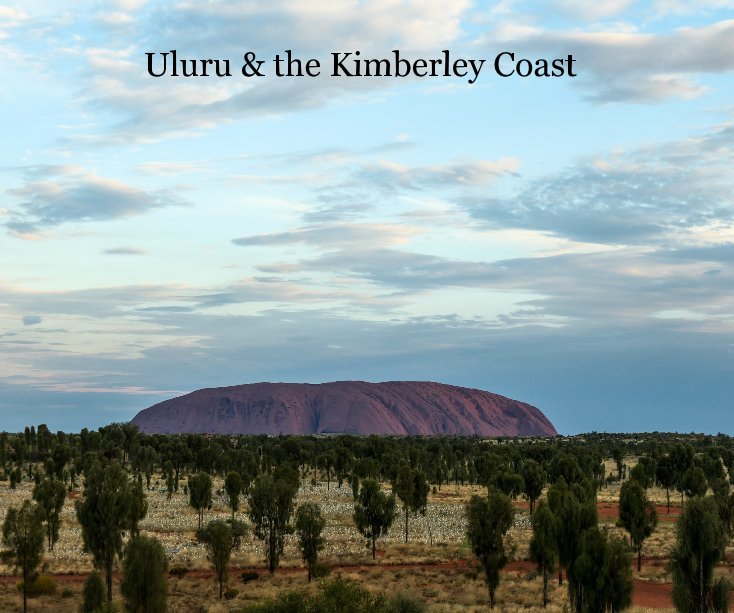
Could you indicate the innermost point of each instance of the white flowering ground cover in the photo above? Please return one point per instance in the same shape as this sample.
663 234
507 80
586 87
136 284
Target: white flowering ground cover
436 536
433 565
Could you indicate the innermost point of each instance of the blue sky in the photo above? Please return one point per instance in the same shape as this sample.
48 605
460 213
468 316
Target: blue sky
566 242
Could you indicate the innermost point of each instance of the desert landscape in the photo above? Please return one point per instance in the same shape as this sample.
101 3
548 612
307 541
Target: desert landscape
436 570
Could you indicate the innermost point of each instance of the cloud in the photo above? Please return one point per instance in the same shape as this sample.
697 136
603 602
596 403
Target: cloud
31 320
591 10
389 175
72 196
149 109
124 251
637 197
337 235
623 66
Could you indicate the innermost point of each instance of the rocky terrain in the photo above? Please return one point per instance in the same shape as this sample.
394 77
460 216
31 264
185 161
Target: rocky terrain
351 407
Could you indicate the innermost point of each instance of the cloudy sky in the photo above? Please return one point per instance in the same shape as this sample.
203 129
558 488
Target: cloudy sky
566 242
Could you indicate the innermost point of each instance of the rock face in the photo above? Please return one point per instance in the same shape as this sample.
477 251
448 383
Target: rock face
349 407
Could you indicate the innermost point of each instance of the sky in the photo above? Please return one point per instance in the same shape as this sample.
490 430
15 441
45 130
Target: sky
564 241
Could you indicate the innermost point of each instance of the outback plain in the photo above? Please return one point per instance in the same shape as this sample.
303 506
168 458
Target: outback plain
436 567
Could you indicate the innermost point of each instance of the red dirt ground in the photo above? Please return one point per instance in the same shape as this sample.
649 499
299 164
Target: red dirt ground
645 594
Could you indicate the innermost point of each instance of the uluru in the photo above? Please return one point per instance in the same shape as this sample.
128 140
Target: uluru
345 407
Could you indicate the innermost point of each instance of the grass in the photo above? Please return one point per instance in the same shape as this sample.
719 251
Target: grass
437 538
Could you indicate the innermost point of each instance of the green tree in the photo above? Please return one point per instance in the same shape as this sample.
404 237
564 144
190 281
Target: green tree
700 545
23 535
220 539
534 480
618 457
200 494
233 485
681 458
50 495
144 584
637 515
544 544
411 487
271 506
665 474
488 520
601 576
104 514
374 512
724 501
93 596
640 475
575 509
309 525
693 482
138 506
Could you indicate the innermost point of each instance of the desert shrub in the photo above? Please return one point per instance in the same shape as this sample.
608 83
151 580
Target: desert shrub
339 595
42 585
405 603
321 570
179 571
250 575
67 592
93 594
289 602
230 593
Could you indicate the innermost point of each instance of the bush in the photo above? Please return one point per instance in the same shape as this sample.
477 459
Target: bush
43 585
321 570
339 595
67 593
405 603
94 594
230 593
179 571
143 583
250 575
290 602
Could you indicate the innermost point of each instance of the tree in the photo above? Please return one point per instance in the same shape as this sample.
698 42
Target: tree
681 458
640 475
725 502
143 582
221 538
233 485
309 525
509 483
693 483
200 494
637 514
601 576
50 495
93 596
700 545
534 479
411 487
544 544
618 457
138 506
576 511
488 519
23 536
374 512
104 514
665 474
271 506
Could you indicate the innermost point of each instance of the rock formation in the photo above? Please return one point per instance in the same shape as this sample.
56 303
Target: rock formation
350 407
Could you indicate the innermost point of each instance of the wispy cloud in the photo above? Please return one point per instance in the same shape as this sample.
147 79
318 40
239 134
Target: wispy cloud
71 195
